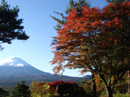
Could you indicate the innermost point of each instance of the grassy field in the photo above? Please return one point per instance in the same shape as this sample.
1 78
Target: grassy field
103 95
118 95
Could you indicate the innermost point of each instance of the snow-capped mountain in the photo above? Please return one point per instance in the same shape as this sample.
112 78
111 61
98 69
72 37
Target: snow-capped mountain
14 61
15 66
15 69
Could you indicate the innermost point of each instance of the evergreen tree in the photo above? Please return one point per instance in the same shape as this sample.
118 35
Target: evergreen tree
72 4
20 90
10 25
3 93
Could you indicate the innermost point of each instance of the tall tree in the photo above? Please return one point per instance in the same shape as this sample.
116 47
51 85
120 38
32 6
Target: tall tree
120 2
75 5
98 42
33 86
10 25
72 4
78 6
20 90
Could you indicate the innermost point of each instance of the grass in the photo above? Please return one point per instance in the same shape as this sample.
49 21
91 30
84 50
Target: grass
118 95
121 95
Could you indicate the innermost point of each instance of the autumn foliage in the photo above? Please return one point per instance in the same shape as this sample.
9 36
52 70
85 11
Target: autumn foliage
40 84
93 37
97 41
53 85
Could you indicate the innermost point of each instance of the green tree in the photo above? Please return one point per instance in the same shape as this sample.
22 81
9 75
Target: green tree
72 4
33 86
3 93
10 25
20 90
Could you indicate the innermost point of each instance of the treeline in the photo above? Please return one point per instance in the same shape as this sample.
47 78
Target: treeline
49 89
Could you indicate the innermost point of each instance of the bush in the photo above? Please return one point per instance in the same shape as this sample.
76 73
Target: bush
86 90
121 88
43 91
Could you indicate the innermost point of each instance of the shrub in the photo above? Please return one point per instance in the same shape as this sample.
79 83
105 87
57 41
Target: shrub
53 85
121 88
43 90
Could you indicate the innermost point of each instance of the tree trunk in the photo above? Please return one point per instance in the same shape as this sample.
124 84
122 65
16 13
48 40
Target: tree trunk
128 82
94 85
109 92
109 88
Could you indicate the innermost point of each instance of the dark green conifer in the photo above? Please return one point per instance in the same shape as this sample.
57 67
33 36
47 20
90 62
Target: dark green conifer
3 93
72 4
10 25
20 90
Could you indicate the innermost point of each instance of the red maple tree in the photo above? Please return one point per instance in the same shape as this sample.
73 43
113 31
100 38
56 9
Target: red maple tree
97 41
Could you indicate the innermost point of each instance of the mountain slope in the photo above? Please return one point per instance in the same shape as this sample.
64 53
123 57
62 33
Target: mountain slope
16 66
15 69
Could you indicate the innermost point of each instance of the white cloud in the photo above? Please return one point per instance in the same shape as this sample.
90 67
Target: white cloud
12 61
8 60
11 64
19 65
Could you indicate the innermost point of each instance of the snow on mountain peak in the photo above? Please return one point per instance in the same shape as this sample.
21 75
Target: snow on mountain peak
13 61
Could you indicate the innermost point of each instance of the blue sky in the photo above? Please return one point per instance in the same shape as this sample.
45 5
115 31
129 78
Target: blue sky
39 26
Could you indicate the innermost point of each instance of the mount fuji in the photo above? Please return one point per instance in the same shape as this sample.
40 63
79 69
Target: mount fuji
15 69
16 66
14 61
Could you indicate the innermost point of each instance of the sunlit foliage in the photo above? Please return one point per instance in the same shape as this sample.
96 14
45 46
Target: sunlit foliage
97 41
